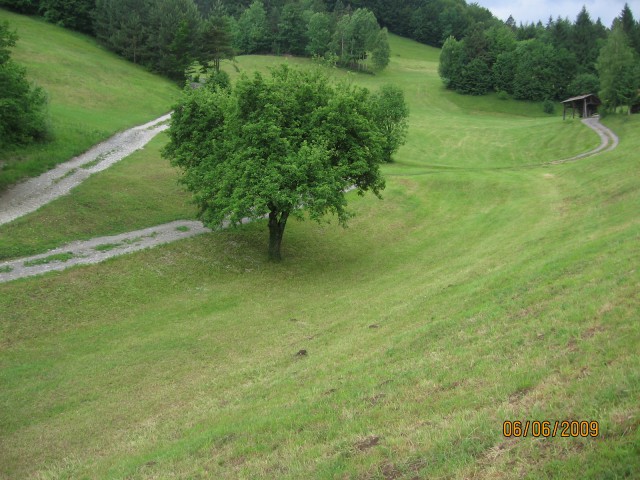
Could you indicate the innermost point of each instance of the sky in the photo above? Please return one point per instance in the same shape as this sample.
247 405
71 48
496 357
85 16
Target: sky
533 10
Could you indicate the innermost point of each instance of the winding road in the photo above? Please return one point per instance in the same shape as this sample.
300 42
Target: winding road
32 194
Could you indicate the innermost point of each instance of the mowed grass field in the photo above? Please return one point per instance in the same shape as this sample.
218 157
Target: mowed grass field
478 291
92 94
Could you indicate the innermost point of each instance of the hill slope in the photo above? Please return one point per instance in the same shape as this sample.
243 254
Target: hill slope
475 292
92 93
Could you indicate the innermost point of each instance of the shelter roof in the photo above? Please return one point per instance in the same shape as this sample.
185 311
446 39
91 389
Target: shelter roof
580 97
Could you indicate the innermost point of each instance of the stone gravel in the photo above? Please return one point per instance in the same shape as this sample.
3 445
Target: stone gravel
28 196
98 249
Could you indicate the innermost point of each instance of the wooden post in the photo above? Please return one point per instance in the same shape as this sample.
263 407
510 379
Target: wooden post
564 111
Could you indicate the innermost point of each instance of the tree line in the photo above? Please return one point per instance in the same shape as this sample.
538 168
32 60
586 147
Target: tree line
168 35
552 61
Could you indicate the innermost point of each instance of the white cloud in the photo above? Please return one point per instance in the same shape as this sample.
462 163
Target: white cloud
527 11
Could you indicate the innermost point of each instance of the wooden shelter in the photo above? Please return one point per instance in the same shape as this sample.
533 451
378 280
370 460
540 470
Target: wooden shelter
585 105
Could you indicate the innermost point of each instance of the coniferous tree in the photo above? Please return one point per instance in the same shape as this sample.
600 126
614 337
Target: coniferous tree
173 32
216 40
583 42
631 27
21 6
123 27
72 14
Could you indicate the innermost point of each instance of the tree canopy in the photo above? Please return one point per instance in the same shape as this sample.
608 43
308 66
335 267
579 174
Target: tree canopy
277 146
532 61
619 71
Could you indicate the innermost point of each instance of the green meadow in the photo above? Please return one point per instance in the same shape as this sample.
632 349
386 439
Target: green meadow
484 287
92 94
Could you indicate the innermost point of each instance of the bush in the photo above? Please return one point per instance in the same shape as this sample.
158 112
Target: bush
22 106
502 95
549 107
219 79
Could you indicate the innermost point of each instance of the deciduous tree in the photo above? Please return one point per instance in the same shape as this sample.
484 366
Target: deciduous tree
619 71
380 56
319 32
252 34
391 114
276 147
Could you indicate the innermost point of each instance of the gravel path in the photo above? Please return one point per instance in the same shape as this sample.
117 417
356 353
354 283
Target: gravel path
608 141
32 194
98 249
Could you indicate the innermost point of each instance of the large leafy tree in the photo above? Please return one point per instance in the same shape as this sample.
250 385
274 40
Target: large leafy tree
355 35
22 106
391 113
319 33
381 52
252 33
452 63
619 70
276 147
292 30
541 71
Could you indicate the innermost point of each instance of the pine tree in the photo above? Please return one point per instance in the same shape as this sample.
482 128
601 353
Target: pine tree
631 27
583 42
216 40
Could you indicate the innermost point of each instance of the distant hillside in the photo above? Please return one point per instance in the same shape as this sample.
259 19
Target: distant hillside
92 93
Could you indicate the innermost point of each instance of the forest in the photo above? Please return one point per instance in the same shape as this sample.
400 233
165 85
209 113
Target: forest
168 35
547 62
480 53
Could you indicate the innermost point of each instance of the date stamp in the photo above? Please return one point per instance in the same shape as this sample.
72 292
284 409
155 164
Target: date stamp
550 428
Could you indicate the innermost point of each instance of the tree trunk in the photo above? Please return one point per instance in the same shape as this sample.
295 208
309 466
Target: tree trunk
277 222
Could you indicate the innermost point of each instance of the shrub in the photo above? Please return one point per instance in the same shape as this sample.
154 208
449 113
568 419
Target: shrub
549 107
23 114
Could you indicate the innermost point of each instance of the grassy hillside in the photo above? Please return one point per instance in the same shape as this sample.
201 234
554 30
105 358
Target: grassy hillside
476 292
92 94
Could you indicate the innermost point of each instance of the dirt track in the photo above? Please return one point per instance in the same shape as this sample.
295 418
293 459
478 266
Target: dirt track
28 196
608 141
